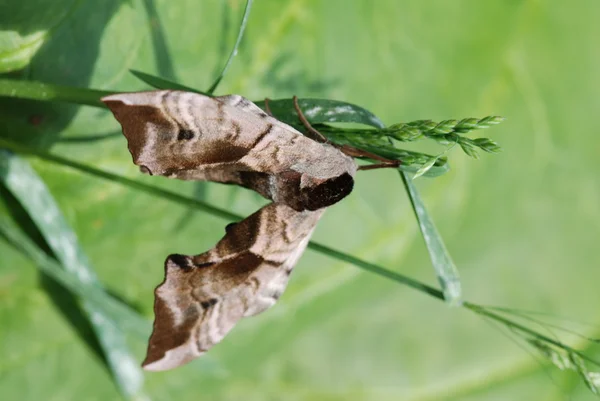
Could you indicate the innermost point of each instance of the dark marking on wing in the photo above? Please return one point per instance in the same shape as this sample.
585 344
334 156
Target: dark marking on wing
203 265
258 182
241 236
182 261
130 116
209 303
229 227
236 128
163 340
242 102
185 135
220 112
220 151
263 134
273 263
236 270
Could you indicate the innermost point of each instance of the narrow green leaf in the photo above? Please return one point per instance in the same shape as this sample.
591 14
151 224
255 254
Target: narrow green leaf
425 168
440 258
161 83
124 316
589 380
525 331
234 51
40 91
558 357
23 182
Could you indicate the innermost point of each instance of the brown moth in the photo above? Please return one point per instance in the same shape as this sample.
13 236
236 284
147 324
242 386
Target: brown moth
204 296
228 139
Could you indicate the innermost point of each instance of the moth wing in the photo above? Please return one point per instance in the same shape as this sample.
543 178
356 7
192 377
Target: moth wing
247 106
193 312
204 296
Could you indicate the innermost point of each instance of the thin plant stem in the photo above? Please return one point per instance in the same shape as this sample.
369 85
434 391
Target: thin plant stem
234 51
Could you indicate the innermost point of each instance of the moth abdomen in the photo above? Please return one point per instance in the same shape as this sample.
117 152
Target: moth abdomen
328 192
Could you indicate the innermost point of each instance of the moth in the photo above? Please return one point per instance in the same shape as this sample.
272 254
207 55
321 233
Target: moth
229 139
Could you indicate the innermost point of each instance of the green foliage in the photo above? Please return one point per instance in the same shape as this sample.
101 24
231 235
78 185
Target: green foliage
336 334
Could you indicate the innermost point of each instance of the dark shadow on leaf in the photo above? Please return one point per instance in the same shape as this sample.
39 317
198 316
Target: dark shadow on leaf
22 219
70 307
67 57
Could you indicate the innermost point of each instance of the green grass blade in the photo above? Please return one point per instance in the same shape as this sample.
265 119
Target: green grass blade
124 316
443 265
161 83
40 91
234 51
26 186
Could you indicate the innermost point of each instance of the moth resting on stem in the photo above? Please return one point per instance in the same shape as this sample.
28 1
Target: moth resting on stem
230 140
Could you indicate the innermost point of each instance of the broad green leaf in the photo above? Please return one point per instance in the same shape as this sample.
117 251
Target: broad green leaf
25 26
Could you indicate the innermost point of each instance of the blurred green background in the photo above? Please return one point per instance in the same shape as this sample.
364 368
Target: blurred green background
522 226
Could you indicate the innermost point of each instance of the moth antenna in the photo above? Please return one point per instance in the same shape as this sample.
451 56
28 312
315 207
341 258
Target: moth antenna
355 152
267 108
316 135
392 164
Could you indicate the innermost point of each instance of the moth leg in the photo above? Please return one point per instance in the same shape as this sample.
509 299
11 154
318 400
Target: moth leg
316 135
393 164
267 108
354 152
